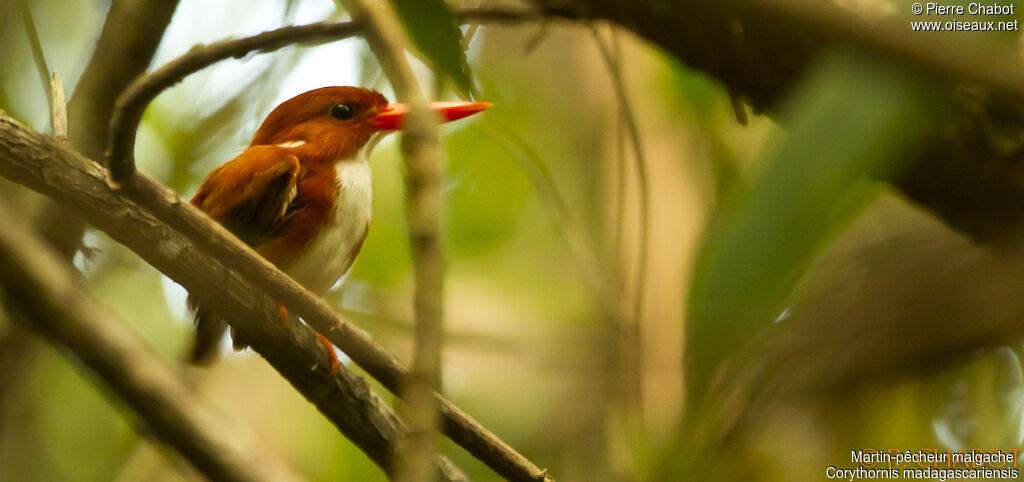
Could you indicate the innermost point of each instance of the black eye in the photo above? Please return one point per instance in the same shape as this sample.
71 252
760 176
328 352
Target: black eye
342 111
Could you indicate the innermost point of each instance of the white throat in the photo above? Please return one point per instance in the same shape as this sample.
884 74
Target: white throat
332 251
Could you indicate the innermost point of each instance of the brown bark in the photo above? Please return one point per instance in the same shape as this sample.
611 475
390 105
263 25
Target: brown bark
972 177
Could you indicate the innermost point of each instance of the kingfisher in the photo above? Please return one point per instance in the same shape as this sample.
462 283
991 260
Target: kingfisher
300 194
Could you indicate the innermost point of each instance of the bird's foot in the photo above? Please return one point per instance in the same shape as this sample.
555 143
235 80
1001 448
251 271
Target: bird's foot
282 313
335 364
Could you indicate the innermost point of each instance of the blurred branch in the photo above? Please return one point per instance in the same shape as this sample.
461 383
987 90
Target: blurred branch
17 348
387 40
136 97
761 48
583 249
41 292
205 258
131 34
629 341
38 55
18 345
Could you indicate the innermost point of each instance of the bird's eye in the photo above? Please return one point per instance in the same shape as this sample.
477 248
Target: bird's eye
342 111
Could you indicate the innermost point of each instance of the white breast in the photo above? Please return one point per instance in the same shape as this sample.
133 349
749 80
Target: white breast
330 255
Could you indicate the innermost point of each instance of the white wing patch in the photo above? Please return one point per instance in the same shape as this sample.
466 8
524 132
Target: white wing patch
292 144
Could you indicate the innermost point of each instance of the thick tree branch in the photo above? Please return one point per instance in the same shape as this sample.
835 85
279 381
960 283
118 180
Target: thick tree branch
972 177
387 40
40 291
205 258
131 33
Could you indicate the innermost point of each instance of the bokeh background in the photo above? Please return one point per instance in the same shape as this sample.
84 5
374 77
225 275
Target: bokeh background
565 304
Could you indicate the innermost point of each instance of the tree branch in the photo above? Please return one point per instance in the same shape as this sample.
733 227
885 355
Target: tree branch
201 255
386 37
40 291
131 33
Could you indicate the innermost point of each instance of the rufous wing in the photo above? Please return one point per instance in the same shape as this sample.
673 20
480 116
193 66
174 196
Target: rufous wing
253 196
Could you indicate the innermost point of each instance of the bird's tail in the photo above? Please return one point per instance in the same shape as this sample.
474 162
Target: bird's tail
210 329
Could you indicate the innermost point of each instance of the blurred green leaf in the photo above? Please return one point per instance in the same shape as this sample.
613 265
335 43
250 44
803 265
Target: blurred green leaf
485 193
431 24
694 89
852 120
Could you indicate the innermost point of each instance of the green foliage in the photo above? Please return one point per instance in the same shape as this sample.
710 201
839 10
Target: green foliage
852 120
431 25
485 195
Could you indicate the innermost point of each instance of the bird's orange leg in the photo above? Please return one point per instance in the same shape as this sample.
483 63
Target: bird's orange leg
282 313
335 364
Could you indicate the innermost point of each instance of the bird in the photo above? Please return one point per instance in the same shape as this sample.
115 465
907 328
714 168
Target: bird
300 194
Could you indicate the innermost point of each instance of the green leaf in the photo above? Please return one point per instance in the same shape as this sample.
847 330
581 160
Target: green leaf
433 29
853 120
486 196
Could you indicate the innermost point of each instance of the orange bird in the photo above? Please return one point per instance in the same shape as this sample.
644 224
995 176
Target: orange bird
300 194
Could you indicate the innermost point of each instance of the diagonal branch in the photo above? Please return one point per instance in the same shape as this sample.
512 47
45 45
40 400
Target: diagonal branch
40 292
205 258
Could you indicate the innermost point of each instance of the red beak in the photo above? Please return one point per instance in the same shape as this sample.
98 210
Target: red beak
392 117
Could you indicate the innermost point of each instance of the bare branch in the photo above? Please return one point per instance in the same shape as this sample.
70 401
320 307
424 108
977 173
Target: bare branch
40 291
134 100
628 342
387 40
131 33
58 110
38 55
201 255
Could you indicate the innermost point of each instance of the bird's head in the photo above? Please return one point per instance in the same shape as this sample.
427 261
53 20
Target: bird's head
337 122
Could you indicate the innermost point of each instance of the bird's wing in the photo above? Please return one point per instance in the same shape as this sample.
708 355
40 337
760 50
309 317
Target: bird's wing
253 195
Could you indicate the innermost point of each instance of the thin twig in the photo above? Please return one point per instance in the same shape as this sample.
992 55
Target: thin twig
133 101
58 111
583 249
136 97
40 291
38 55
629 120
618 246
386 37
187 246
